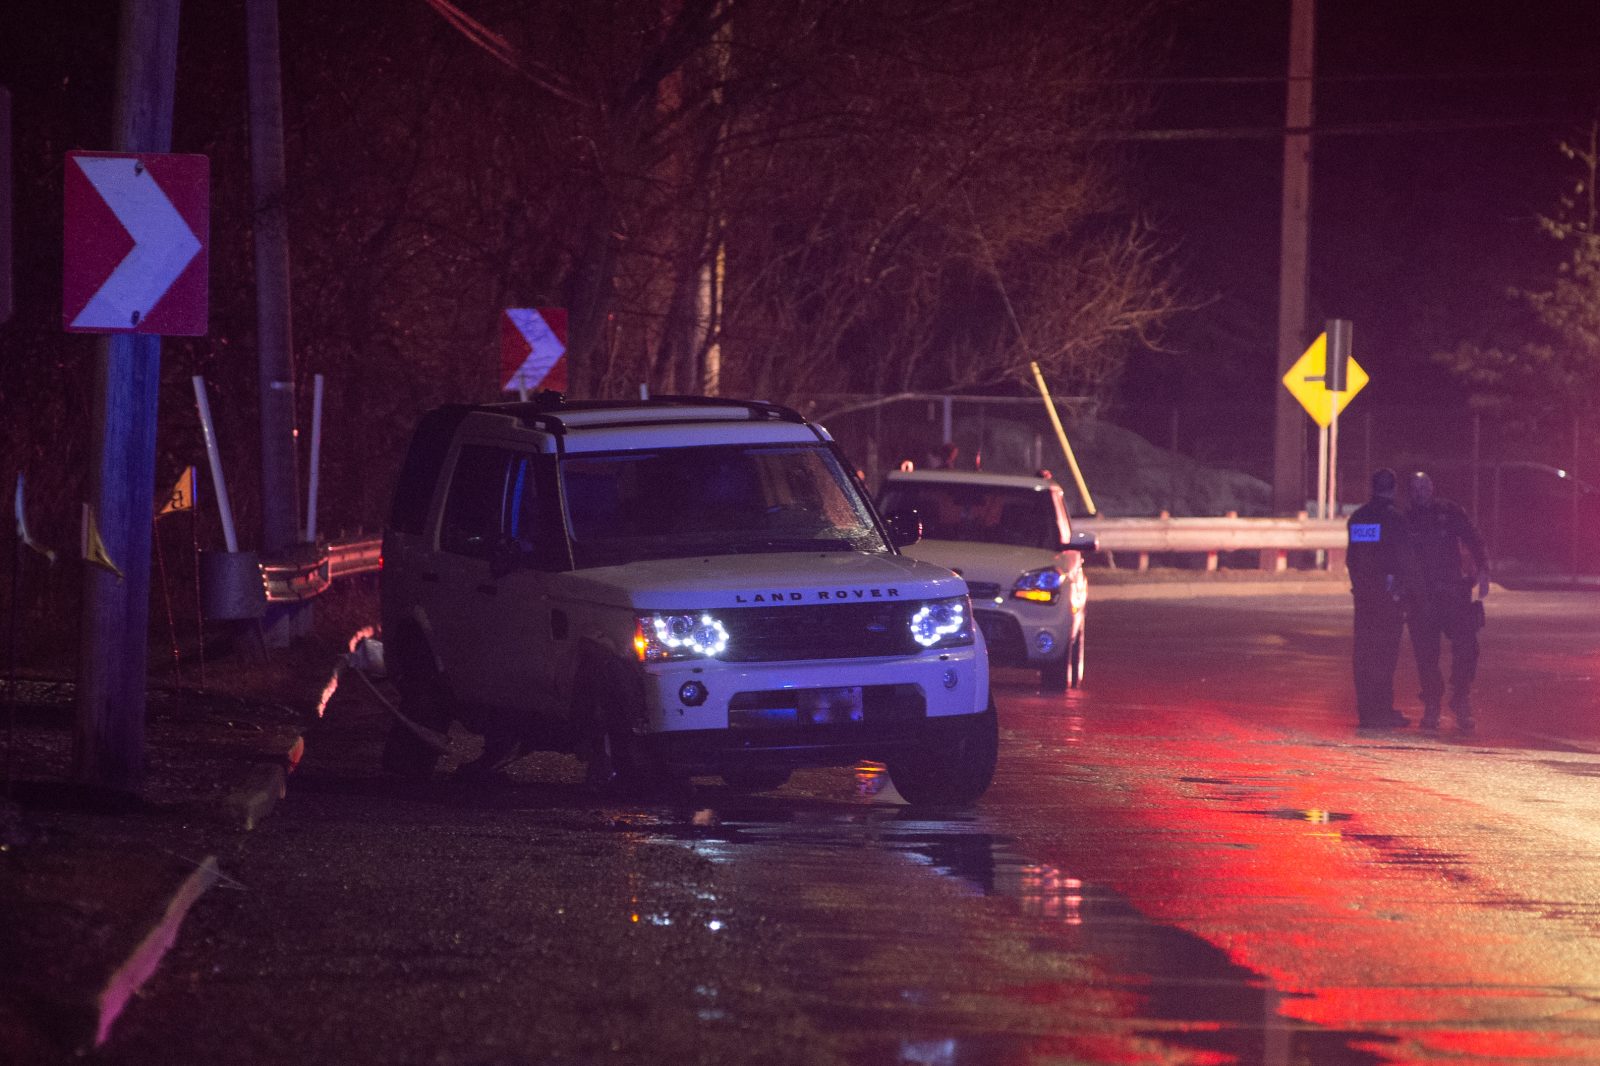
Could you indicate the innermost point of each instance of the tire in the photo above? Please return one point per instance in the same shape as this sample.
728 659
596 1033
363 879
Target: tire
1053 673
423 699
954 775
613 765
1077 657
756 778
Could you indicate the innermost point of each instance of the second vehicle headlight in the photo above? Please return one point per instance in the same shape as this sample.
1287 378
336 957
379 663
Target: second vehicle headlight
1039 586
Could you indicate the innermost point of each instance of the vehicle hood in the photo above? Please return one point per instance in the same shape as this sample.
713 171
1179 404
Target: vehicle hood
769 579
997 563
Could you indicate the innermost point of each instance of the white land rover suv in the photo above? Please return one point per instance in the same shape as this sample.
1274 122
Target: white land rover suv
1010 537
673 587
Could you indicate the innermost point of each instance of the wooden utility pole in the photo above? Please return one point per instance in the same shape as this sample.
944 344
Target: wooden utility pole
280 483
1289 436
5 206
108 742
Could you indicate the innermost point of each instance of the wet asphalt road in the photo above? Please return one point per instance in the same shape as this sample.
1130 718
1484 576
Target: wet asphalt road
1194 859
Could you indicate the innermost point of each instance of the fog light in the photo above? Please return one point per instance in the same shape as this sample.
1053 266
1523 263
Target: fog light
692 693
950 679
1044 642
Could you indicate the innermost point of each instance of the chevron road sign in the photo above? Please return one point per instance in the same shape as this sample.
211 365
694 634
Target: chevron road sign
135 243
533 348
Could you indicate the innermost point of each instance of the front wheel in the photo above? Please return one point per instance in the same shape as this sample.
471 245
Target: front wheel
1054 673
954 773
1077 658
614 765
425 701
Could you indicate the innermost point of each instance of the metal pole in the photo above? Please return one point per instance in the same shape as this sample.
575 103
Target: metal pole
1321 509
1061 435
108 738
316 459
1333 461
214 457
1289 440
1572 470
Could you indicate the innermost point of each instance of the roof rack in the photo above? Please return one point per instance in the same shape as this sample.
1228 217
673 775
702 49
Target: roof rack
543 409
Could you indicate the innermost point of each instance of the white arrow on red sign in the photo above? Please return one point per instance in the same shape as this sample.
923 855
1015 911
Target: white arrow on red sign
135 243
533 348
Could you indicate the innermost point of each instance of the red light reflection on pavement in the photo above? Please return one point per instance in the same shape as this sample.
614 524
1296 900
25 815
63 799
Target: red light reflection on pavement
1266 843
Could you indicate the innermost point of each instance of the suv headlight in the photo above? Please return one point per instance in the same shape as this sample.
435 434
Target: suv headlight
1039 586
661 637
942 623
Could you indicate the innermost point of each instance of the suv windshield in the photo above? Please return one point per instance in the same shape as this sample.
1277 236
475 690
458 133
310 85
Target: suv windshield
717 500
989 514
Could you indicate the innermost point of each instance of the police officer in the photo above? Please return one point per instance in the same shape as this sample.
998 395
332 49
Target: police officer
1442 535
1382 568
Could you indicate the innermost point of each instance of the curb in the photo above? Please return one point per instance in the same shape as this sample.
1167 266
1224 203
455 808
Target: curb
141 965
265 784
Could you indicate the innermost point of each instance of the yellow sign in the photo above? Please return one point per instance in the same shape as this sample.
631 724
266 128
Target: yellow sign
181 498
1304 382
93 548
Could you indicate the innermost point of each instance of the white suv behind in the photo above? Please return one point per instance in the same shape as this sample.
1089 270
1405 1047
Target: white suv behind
1010 537
673 587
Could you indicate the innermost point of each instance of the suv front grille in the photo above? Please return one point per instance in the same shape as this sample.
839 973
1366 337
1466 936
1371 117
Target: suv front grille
818 631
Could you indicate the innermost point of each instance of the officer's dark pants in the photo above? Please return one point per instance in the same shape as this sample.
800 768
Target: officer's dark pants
1445 613
1377 650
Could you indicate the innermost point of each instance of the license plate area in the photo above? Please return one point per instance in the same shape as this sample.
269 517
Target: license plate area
829 706
798 707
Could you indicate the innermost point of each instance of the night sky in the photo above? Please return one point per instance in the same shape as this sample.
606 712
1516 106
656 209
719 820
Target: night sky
1423 213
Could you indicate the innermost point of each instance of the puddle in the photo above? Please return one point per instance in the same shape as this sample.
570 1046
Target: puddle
1398 851
1314 816
1577 769
1194 997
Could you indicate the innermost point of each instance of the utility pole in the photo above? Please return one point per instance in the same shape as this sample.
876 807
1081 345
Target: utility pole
280 483
1289 436
108 740
5 206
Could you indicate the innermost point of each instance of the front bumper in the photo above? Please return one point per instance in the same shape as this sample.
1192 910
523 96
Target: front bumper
1013 638
714 751
953 681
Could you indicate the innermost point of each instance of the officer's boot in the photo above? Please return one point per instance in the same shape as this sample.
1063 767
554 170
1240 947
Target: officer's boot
1461 707
1430 717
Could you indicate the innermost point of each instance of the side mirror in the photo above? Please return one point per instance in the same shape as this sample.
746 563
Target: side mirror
1080 542
905 528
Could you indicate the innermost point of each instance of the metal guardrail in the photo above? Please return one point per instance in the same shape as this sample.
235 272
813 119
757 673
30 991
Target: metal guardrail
308 572
302 577
1210 536
363 556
